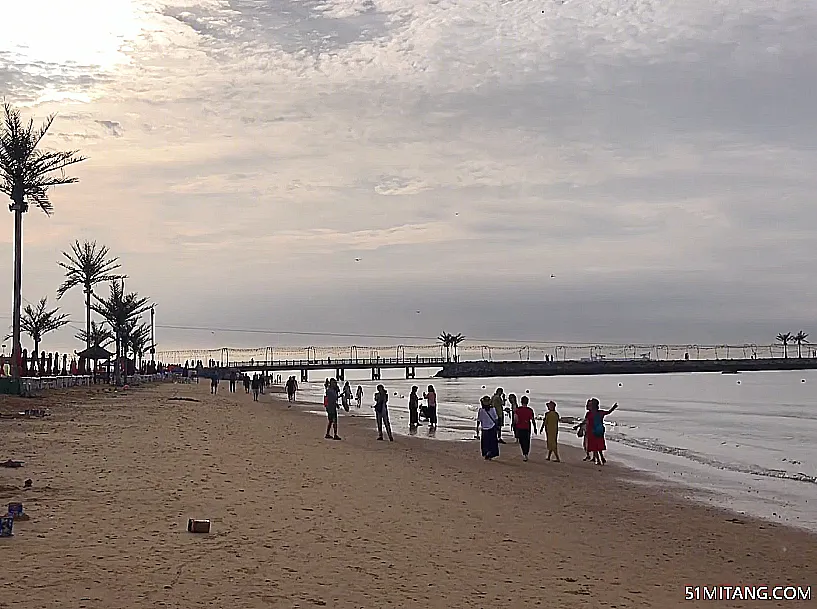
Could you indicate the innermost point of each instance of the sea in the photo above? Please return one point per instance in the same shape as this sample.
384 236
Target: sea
745 442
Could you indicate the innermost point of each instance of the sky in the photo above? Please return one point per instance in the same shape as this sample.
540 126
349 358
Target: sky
594 171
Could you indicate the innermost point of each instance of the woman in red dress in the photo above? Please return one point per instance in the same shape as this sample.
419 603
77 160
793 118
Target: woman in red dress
594 430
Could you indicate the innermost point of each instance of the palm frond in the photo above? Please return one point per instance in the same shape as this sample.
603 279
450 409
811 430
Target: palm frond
26 172
86 265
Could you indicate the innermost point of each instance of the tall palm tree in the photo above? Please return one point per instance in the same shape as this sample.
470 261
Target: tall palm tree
99 336
119 310
87 265
38 321
456 339
785 339
800 338
26 174
445 339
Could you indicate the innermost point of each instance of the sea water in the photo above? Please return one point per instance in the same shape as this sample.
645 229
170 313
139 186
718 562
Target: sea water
742 441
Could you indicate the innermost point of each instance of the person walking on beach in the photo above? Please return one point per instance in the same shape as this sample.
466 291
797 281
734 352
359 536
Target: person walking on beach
331 403
487 425
594 430
347 396
359 396
291 387
246 379
522 422
233 376
431 406
256 386
514 405
498 403
214 384
381 410
551 426
414 405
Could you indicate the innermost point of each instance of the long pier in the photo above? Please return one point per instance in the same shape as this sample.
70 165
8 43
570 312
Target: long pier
635 366
339 366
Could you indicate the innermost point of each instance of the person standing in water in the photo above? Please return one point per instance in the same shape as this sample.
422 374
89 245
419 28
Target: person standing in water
522 422
331 403
498 403
551 426
486 424
359 396
347 396
414 405
431 406
514 405
381 410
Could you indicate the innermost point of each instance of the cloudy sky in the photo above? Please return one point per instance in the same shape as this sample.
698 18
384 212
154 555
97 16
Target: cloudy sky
565 170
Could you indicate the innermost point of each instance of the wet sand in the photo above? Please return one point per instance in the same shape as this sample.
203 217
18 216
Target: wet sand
299 521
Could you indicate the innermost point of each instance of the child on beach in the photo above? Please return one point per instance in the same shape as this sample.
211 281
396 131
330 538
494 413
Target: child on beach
359 396
551 426
347 396
523 420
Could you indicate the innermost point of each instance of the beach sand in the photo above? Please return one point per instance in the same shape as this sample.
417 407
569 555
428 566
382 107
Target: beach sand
299 521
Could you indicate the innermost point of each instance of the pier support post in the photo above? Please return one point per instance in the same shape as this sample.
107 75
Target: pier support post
375 374
410 372
340 374
304 375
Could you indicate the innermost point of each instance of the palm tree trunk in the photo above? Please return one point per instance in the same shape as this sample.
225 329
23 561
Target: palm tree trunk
117 364
799 350
87 317
18 288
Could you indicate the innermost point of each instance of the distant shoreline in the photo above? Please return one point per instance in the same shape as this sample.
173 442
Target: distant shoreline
479 369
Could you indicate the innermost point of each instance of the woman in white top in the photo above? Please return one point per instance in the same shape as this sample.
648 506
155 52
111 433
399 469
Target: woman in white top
488 422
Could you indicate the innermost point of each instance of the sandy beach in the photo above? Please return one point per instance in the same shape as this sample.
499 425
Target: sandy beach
299 521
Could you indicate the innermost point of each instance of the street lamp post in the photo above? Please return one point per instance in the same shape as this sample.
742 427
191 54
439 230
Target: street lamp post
152 335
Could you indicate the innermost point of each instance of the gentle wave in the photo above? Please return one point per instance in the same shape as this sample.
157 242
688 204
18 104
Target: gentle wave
655 446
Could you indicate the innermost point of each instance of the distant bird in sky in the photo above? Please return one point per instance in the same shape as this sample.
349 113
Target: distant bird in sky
552 276
418 312
456 213
357 259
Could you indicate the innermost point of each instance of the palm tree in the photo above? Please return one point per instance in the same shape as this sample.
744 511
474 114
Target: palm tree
800 338
785 339
456 339
139 339
86 266
26 174
38 321
99 336
445 339
119 310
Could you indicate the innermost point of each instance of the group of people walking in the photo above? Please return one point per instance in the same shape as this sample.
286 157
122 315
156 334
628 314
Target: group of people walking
490 420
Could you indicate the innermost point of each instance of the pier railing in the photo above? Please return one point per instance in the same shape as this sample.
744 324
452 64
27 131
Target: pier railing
330 362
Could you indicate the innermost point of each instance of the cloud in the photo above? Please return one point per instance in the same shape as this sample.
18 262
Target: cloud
663 146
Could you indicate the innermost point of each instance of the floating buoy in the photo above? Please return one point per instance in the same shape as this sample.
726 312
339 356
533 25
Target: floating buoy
802 380
619 384
527 390
198 526
738 382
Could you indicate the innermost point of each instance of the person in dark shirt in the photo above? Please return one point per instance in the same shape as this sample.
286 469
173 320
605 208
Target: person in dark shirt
332 397
414 405
233 376
256 387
